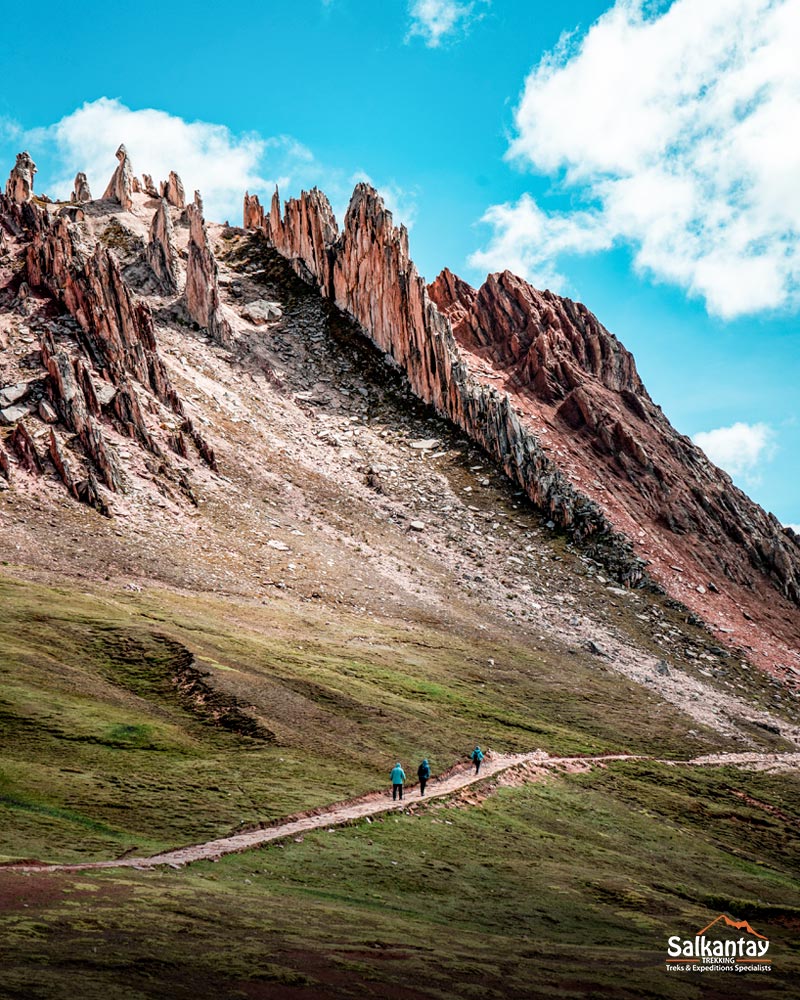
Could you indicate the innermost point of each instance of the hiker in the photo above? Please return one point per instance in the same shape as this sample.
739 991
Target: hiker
423 773
476 758
398 777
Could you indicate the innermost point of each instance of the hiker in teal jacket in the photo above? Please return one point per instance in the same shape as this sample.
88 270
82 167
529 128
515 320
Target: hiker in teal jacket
476 758
398 777
423 773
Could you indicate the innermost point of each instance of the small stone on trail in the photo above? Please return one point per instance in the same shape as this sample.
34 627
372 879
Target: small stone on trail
416 525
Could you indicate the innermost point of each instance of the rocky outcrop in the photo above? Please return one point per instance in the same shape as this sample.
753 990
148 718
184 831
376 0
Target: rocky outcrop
305 233
565 369
202 278
550 394
117 331
81 192
149 187
253 213
368 273
76 403
172 191
23 445
19 187
84 488
120 187
162 252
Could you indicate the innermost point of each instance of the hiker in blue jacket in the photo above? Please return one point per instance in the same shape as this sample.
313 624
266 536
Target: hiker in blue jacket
398 777
423 773
476 758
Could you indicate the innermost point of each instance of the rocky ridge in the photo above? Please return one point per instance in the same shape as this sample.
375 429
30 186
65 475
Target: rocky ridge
556 399
101 376
367 272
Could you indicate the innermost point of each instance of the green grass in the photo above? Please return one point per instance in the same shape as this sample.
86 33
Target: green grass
151 720
567 888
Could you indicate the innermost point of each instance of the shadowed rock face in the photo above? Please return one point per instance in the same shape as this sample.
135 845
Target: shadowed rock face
202 278
162 253
556 399
172 191
19 187
120 187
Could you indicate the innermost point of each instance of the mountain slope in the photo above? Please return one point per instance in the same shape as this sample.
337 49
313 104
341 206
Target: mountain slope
557 401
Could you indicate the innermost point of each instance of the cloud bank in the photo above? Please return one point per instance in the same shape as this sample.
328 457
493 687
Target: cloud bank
738 449
675 130
209 157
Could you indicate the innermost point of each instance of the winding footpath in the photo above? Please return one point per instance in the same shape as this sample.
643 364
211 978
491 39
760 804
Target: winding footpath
530 766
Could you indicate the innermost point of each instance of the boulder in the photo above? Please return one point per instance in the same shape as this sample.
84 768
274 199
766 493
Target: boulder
11 394
261 311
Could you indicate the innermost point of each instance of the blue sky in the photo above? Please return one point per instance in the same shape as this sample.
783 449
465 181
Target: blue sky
640 157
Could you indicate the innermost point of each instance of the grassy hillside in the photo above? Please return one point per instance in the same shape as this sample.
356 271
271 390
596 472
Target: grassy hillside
141 721
149 720
568 888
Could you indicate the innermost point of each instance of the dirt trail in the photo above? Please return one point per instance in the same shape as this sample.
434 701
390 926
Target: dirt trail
456 778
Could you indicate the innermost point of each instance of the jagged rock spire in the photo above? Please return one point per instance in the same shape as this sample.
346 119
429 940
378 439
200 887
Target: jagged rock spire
120 187
202 278
19 187
81 192
172 190
162 253
253 213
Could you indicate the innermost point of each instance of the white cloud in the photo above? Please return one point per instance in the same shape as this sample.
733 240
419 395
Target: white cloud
522 228
208 157
677 128
738 449
435 20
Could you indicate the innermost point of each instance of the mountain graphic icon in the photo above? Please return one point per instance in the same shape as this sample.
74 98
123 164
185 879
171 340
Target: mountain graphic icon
739 925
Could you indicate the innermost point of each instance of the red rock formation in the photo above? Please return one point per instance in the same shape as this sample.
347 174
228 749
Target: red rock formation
117 335
367 272
81 193
149 187
202 278
19 187
162 253
74 410
565 369
172 191
23 444
120 187
557 401
253 213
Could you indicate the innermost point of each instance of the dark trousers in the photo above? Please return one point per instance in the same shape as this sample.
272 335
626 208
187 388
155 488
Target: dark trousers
397 791
477 766
422 783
